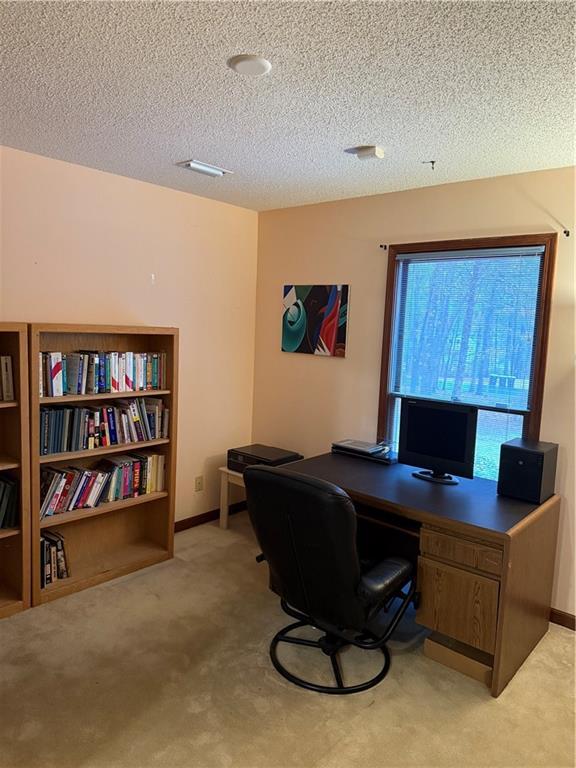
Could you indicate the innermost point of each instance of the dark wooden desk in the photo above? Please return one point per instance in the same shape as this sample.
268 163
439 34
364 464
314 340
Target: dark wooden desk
485 567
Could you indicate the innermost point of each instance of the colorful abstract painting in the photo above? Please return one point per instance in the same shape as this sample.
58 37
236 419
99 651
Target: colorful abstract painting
314 319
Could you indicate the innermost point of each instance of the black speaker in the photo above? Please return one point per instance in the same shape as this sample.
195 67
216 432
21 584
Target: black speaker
527 470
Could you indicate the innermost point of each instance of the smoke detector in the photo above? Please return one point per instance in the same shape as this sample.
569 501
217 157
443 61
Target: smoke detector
249 64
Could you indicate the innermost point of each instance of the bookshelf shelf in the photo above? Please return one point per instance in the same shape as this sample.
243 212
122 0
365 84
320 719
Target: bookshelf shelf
53 458
6 533
15 465
8 462
10 603
119 537
114 563
64 399
54 521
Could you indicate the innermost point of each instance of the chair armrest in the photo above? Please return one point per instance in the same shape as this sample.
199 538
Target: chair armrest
384 580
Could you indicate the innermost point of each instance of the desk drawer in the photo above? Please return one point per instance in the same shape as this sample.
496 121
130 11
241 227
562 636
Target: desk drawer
461 551
457 603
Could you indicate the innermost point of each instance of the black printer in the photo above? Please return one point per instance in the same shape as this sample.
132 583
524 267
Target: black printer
240 458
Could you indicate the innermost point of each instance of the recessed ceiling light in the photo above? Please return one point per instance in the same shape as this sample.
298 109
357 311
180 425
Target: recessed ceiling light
249 64
205 168
366 152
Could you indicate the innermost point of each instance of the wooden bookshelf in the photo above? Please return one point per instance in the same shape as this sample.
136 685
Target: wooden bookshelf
122 536
15 463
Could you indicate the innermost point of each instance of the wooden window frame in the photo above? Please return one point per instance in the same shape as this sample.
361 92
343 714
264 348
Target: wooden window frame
532 419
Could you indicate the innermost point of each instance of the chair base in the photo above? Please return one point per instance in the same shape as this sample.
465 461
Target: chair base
330 645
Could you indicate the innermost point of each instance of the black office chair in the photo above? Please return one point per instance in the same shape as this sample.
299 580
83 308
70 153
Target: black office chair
307 531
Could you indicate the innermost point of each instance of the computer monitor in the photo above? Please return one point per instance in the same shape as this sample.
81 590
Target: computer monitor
438 436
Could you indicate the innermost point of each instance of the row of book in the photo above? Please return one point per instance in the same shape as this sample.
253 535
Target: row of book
6 378
53 559
63 489
82 429
8 503
92 373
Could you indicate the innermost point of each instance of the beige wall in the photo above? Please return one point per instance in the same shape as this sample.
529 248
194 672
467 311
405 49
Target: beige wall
304 402
78 245
110 234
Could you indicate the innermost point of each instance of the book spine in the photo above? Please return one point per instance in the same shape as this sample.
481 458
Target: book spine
136 477
55 359
97 428
108 373
7 378
47 572
102 372
64 374
90 378
95 490
154 472
165 422
126 479
53 561
46 374
122 372
114 384
85 476
104 428
144 419
148 371
58 420
71 477
137 422
85 419
61 560
42 564
105 490
142 373
155 384
112 426
45 432
80 375
160 478
50 482
91 441
129 374
143 476
96 373
72 373
86 491
86 363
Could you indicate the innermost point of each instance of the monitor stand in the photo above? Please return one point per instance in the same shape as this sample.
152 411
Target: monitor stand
435 477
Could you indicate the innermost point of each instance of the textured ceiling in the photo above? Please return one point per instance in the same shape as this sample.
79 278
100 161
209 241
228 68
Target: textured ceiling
483 88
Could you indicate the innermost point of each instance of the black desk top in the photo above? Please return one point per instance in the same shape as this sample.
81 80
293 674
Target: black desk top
392 487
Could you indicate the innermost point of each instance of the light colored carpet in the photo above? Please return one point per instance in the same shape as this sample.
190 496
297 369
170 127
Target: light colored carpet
169 667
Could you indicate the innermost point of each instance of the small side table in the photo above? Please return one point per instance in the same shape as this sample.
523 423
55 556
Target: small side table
227 476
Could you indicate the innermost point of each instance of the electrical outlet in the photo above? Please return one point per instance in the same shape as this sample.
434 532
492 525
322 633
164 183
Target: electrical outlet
199 483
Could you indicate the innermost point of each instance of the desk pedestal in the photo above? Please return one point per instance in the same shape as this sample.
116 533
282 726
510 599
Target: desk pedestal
488 601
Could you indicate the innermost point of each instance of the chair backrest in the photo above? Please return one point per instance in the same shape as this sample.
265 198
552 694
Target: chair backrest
307 531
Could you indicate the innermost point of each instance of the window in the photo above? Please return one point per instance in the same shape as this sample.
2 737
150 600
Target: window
467 321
